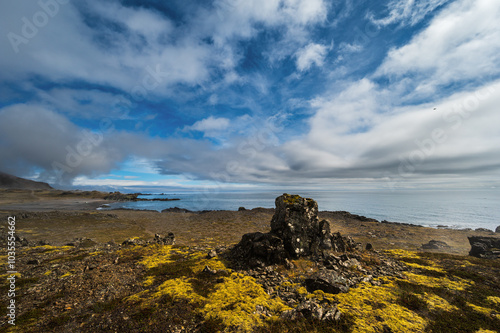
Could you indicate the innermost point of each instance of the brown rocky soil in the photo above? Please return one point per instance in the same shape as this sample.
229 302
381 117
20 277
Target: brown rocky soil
83 287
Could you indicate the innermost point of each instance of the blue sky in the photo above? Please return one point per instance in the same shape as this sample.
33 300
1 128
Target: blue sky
251 94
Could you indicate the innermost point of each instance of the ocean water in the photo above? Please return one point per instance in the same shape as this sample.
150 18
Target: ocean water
452 208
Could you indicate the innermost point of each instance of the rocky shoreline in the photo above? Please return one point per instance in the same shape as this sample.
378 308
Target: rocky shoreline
289 269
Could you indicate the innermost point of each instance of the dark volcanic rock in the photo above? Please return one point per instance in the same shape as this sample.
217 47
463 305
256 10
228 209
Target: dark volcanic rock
484 247
176 210
296 222
343 244
497 230
159 239
435 245
259 249
164 240
295 232
327 281
483 230
312 310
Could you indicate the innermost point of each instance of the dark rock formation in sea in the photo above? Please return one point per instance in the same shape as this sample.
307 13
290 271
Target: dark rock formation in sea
497 230
484 247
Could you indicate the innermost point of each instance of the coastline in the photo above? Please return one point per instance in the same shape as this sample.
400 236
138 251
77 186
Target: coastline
77 250
75 214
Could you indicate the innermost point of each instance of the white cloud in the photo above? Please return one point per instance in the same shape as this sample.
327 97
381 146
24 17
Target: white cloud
350 48
461 43
235 18
407 12
312 54
68 49
353 135
211 126
146 22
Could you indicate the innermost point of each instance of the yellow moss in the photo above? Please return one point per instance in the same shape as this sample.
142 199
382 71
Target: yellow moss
213 263
403 253
435 302
302 291
441 282
137 298
291 199
234 302
50 248
161 255
375 307
148 281
47 273
485 331
3 277
466 263
493 300
480 309
429 268
321 295
66 275
178 289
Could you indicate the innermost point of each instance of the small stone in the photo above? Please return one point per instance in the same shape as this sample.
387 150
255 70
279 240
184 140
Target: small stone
211 254
208 270
328 282
497 230
369 247
289 264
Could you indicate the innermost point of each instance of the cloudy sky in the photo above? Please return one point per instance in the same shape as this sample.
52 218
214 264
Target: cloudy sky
251 94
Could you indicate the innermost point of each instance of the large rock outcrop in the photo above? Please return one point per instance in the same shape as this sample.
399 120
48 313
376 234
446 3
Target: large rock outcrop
295 232
484 247
296 222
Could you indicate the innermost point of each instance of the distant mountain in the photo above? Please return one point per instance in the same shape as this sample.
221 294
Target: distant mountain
12 182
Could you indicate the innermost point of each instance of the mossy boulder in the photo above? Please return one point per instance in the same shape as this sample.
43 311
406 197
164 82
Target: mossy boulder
296 222
295 232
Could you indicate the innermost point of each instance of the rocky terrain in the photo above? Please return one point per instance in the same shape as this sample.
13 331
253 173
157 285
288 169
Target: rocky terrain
291 269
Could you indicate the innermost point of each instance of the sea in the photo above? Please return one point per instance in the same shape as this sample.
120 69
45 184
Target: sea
457 209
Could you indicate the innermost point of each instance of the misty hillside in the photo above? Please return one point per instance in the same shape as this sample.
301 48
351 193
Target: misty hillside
12 182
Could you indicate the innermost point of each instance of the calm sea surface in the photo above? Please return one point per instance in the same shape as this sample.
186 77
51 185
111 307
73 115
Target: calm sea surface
453 208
